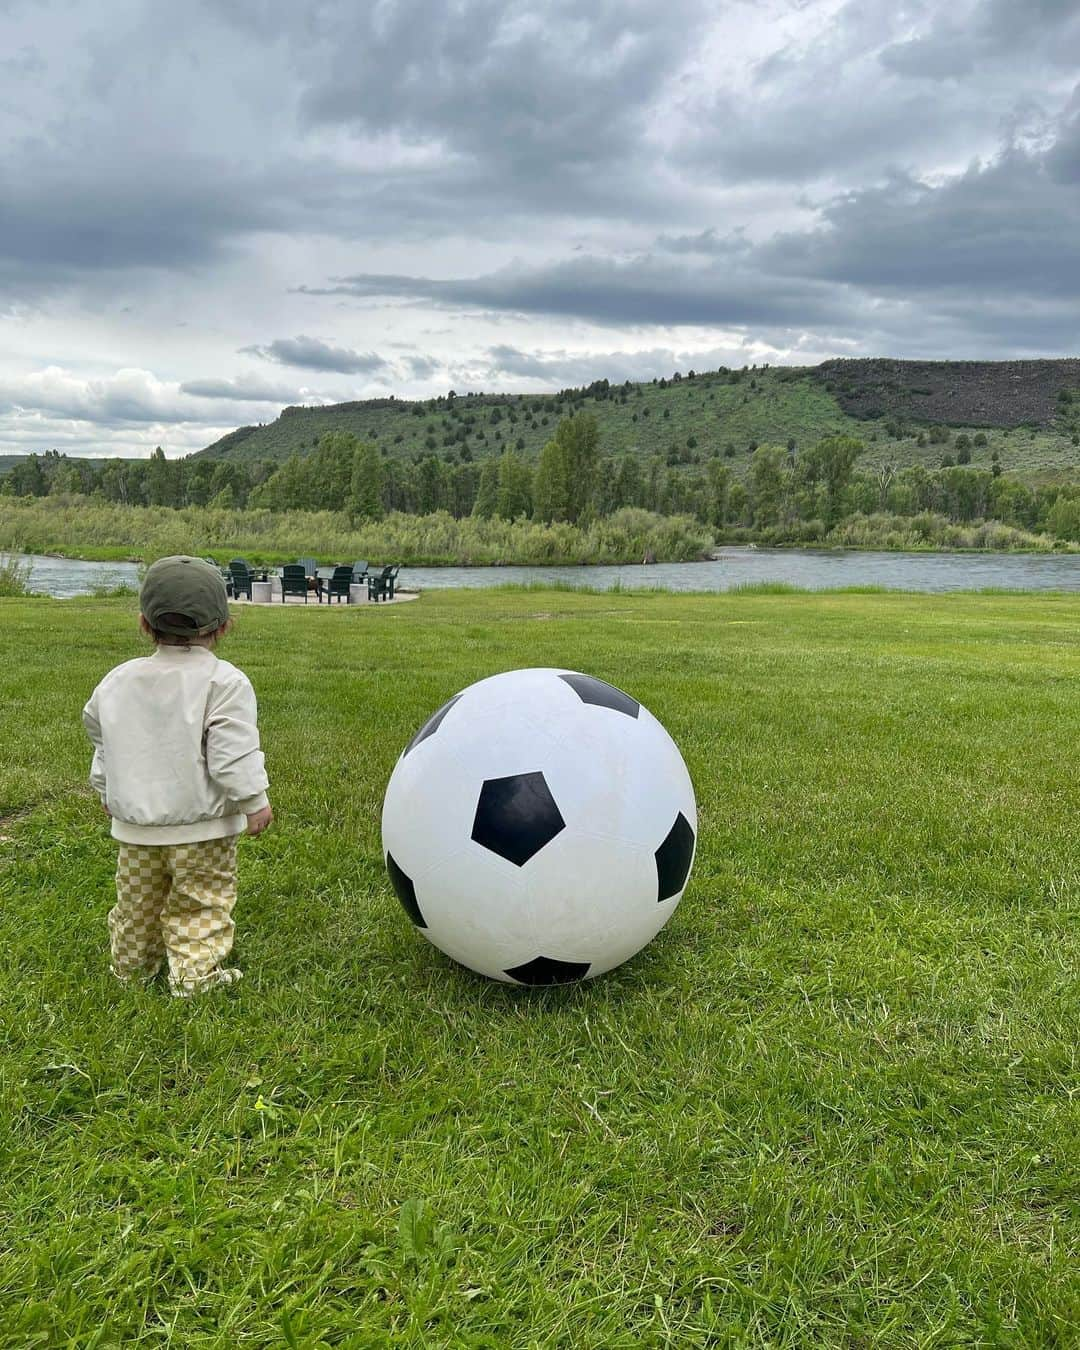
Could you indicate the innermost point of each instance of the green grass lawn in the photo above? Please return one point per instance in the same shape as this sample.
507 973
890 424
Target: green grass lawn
835 1104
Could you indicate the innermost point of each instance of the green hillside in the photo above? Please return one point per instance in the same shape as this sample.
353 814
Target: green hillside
1023 415
693 418
717 409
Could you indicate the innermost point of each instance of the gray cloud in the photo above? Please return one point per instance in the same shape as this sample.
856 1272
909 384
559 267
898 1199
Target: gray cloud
878 86
574 369
314 354
244 389
1006 228
61 225
422 367
645 289
965 260
959 43
527 85
479 112
127 398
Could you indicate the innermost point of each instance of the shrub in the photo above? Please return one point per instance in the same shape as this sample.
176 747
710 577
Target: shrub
14 576
77 525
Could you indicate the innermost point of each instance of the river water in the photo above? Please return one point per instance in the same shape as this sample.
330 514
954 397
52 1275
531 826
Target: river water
816 570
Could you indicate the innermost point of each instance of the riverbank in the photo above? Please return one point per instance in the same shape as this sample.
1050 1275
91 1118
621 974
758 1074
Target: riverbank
835 1089
81 528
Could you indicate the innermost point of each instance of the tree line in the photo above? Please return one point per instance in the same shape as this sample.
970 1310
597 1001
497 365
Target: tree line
784 495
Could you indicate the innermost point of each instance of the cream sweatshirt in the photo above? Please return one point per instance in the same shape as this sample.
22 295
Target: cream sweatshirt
176 747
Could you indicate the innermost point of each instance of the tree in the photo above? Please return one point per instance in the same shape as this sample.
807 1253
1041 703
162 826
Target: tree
767 483
513 497
580 440
197 477
114 481
487 490
430 480
27 478
330 471
462 489
287 488
551 489
737 503
719 487
628 487
565 483
831 462
162 480
366 483
232 478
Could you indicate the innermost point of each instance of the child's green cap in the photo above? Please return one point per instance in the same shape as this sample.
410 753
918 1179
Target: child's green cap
185 588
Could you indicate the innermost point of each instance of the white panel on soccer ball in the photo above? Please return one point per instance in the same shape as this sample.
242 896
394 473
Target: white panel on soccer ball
427 810
494 742
590 896
657 786
476 910
633 779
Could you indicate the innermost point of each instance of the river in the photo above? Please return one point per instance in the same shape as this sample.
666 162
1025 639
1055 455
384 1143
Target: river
816 570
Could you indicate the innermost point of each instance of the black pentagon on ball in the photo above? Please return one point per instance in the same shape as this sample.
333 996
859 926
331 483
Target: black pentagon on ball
548 970
406 892
431 726
516 817
604 695
673 858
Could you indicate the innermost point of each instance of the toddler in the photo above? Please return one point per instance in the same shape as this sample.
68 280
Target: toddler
178 767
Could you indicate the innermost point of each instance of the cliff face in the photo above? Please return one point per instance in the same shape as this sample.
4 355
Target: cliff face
957 393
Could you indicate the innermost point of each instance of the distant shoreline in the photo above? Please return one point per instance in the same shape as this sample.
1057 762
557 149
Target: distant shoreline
722 553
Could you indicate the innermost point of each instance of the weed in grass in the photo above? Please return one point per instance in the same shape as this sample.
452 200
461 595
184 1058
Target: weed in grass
767 588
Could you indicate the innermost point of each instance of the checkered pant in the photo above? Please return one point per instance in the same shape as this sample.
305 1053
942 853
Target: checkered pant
175 900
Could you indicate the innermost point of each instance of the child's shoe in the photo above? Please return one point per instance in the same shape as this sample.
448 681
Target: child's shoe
214 980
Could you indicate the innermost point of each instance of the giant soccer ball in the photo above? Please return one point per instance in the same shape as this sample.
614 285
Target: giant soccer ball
540 827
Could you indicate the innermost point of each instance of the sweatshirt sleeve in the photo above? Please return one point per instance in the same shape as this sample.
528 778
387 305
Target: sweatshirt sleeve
93 730
233 758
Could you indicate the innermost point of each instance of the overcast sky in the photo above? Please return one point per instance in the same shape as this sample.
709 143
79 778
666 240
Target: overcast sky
214 208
